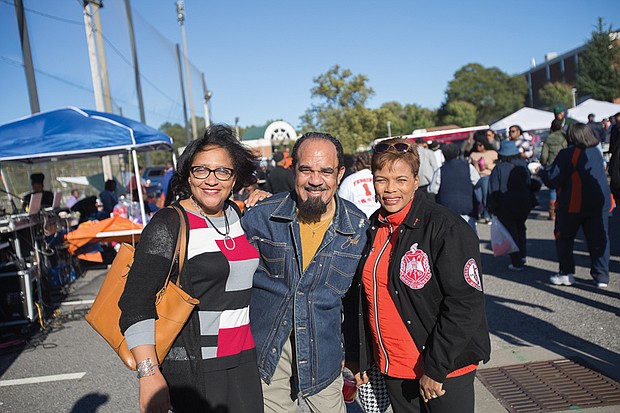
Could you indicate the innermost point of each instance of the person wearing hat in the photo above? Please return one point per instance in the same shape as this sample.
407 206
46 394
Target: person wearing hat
436 148
510 197
280 179
36 183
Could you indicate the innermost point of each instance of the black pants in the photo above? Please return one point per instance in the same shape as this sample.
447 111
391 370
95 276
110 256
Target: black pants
235 390
459 397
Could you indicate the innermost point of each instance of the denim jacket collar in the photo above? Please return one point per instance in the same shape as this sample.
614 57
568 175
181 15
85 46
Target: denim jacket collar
287 210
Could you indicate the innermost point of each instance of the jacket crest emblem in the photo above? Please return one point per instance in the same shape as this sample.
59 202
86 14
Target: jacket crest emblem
472 275
415 270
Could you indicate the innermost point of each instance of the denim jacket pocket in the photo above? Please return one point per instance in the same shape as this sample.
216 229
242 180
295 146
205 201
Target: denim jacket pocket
273 256
341 271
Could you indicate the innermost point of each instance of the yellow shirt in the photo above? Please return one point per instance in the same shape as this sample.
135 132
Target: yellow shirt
312 235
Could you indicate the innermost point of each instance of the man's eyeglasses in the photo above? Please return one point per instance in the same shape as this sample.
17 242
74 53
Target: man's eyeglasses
398 147
221 173
513 130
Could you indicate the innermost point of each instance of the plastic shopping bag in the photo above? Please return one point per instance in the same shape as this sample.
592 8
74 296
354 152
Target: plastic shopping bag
501 240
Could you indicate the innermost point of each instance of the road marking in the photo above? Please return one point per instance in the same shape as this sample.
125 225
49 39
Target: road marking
42 379
78 302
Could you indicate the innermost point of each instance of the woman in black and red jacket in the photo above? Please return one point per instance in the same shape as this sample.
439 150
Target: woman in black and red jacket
584 201
416 307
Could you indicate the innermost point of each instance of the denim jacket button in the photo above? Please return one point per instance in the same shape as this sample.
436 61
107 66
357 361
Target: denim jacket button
285 322
396 292
273 350
408 321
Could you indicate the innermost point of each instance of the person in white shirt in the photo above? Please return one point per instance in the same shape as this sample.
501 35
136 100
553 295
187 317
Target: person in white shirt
358 187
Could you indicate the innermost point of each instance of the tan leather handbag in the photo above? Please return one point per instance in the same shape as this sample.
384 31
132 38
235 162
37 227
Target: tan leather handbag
174 305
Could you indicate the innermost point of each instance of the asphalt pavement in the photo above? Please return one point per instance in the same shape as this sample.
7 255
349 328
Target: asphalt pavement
69 368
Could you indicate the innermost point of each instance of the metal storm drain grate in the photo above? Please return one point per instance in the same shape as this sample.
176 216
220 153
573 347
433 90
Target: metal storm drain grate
549 386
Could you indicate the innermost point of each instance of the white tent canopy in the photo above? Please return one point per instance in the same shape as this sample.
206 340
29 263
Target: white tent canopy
526 118
601 109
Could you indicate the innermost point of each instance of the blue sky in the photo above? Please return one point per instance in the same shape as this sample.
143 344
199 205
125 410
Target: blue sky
259 58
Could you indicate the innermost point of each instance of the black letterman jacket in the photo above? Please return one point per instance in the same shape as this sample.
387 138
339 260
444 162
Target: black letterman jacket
445 314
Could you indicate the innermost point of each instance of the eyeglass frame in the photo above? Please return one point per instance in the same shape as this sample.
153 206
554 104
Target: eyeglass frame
214 171
392 146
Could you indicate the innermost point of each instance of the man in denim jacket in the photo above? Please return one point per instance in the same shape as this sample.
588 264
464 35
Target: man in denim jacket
310 243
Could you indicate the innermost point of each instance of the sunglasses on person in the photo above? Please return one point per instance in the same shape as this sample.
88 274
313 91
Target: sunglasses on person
202 172
397 147
513 130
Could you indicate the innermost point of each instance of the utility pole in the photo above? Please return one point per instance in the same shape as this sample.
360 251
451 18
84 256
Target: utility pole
136 70
27 55
91 7
181 19
189 138
207 96
103 66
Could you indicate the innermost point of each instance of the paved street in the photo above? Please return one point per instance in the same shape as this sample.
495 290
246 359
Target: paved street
529 319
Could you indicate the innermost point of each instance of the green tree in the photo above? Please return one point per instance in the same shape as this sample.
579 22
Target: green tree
556 93
460 113
599 65
493 92
342 110
404 119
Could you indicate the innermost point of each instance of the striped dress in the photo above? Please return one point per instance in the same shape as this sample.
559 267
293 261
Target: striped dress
222 281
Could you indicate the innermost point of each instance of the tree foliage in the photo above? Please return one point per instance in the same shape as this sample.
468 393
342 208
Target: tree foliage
599 65
404 119
556 93
460 113
493 92
342 111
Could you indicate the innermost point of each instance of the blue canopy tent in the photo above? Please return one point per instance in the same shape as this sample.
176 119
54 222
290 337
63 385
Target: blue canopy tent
71 133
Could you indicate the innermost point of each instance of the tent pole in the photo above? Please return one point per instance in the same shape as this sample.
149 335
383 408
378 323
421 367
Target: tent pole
136 171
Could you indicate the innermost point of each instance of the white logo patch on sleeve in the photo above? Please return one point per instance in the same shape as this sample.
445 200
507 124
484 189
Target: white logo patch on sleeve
415 270
472 275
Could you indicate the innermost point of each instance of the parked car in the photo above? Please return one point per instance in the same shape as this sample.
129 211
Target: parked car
154 176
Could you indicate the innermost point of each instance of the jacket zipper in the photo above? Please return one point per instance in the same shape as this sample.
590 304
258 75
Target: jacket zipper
376 302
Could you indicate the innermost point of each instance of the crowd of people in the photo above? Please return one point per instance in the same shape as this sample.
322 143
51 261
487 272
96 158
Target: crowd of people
368 261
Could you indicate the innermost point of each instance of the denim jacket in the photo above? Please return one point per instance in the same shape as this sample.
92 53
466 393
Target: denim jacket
308 304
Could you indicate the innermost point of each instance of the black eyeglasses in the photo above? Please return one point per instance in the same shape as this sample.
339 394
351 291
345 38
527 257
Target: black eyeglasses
221 173
513 130
398 147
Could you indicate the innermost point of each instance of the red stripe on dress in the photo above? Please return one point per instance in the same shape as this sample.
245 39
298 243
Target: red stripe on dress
232 341
195 221
243 249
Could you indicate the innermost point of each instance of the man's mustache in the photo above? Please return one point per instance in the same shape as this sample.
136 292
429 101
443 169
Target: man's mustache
315 188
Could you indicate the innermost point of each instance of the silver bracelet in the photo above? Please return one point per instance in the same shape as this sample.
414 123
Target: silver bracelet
146 368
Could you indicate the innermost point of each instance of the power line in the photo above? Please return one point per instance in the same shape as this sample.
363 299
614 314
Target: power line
110 44
77 86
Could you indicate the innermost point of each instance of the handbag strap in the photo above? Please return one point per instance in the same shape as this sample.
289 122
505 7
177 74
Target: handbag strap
180 248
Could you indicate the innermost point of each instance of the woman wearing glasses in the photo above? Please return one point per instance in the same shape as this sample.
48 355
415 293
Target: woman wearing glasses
419 288
523 140
212 364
